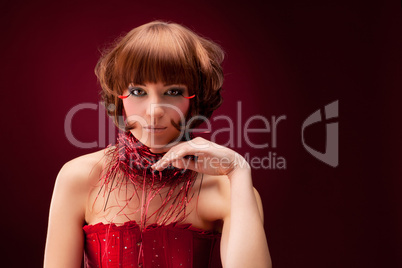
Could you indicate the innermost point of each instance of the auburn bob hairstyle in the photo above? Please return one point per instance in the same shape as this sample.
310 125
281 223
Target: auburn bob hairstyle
163 52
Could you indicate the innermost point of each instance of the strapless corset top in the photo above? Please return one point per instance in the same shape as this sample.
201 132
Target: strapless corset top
171 246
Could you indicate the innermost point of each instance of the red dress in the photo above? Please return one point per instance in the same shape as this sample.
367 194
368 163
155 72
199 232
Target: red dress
167 246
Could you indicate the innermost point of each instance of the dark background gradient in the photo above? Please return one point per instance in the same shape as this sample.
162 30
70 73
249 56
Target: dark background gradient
282 58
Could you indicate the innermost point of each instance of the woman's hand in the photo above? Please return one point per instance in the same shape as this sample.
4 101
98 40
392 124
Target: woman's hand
209 158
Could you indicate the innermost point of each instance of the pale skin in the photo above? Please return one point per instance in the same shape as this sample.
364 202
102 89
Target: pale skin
227 202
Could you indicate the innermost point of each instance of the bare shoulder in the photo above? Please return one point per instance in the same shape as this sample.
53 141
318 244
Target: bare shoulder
215 198
83 170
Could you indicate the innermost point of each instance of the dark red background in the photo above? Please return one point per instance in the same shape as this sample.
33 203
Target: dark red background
282 59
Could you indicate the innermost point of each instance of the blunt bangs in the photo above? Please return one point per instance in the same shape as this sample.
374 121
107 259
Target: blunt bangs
159 54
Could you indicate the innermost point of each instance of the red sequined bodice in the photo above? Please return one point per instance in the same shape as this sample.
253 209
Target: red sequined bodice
167 246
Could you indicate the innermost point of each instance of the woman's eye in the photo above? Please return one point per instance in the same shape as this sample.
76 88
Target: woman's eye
137 92
174 92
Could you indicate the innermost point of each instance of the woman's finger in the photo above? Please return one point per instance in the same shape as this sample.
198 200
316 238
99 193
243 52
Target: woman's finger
186 163
167 159
178 152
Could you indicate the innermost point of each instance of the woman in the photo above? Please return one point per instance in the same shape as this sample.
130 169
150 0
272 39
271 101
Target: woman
158 198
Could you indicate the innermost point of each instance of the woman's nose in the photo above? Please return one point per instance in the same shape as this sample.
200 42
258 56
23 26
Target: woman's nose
155 108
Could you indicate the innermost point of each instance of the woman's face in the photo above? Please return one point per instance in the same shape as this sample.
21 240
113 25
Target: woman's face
150 108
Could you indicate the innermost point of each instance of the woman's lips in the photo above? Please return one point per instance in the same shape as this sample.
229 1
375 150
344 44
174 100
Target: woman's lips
155 129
